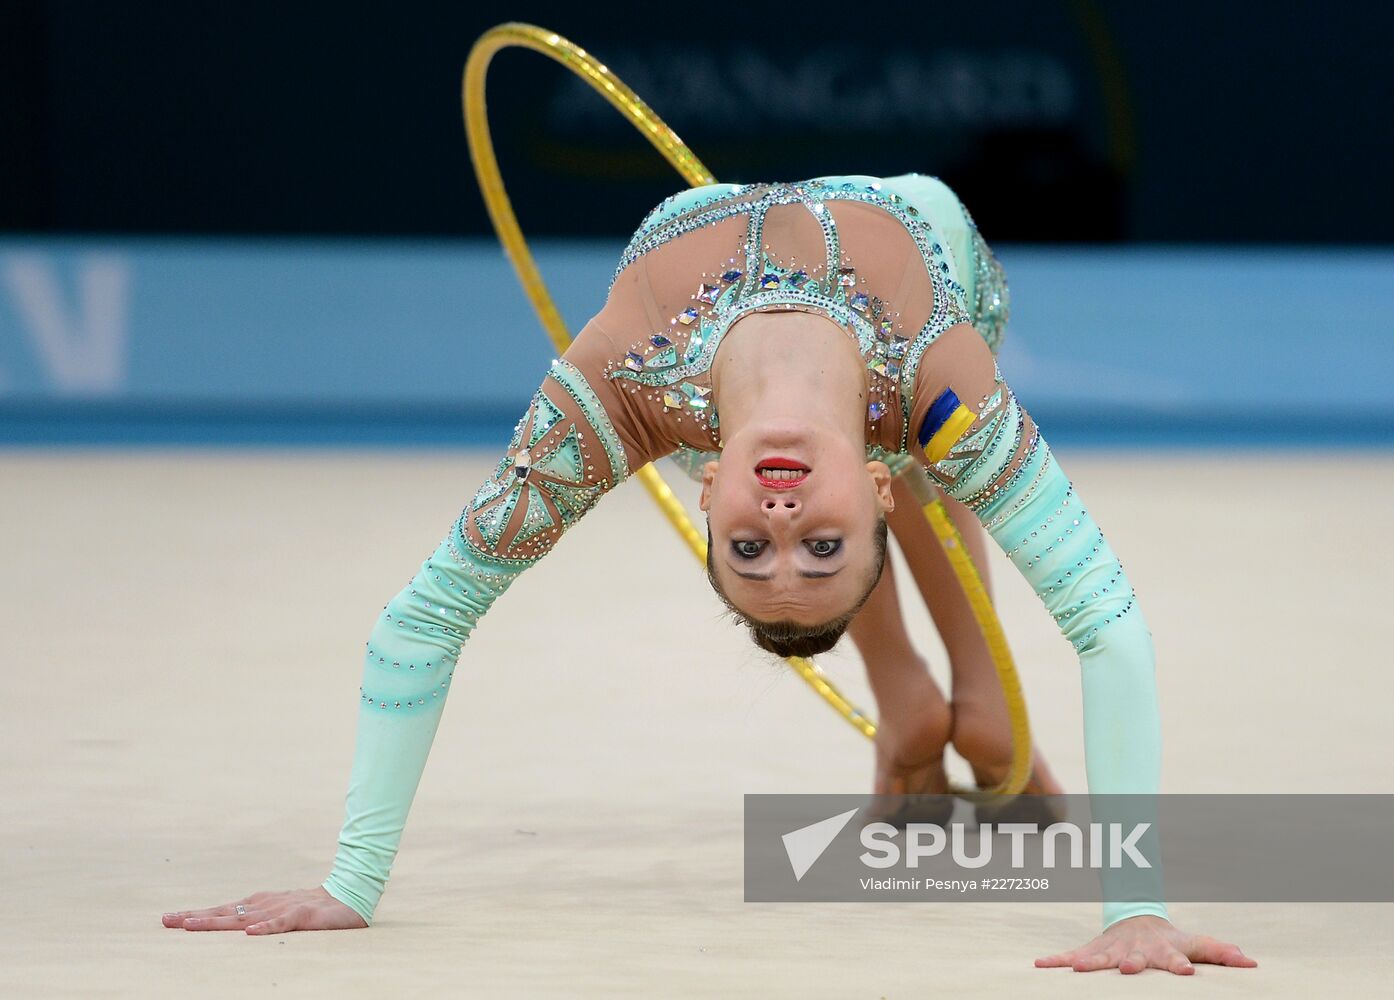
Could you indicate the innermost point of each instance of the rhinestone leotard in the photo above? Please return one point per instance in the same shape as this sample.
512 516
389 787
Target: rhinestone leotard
898 264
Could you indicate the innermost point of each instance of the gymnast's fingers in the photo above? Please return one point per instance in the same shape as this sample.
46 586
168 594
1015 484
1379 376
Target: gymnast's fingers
1101 953
1178 964
1093 962
1059 961
232 922
177 917
1210 951
1133 963
278 924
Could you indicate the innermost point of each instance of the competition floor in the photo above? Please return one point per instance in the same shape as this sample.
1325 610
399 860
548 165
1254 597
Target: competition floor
182 642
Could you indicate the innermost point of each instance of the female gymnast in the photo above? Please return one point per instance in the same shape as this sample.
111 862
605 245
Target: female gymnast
791 343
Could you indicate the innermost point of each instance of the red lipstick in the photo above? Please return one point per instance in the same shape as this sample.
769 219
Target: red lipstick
779 463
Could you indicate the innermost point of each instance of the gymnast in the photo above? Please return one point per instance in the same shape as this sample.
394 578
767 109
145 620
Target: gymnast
793 345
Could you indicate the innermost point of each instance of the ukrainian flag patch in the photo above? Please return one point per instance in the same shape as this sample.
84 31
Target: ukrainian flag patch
947 421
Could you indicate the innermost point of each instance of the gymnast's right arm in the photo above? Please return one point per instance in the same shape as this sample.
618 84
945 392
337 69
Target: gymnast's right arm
565 454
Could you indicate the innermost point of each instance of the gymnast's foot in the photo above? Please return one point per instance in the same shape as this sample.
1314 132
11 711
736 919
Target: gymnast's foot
914 727
982 736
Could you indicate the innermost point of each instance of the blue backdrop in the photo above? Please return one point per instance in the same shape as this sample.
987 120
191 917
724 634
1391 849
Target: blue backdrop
294 341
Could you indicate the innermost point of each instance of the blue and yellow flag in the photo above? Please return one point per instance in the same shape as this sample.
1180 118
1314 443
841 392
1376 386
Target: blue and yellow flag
946 422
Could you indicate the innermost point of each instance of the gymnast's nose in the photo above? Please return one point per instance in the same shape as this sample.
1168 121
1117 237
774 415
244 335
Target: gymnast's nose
784 507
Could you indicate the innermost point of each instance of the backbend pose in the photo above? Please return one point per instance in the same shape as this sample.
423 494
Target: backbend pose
805 337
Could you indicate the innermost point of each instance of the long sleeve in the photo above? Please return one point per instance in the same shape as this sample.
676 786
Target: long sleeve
564 455
996 462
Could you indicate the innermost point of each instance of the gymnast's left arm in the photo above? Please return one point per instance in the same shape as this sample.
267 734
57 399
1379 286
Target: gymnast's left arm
985 451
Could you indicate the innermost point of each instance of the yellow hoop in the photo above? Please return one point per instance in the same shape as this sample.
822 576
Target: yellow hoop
676 152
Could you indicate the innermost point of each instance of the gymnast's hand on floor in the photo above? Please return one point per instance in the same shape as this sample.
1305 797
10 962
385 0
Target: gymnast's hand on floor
1148 942
272 913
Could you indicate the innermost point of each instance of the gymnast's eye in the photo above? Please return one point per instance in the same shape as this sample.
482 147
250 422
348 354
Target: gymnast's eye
824 547
747 549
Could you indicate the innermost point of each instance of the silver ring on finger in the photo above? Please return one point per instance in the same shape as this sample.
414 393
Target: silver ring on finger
241 910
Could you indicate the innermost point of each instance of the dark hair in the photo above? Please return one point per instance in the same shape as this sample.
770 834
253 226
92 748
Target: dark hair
789 638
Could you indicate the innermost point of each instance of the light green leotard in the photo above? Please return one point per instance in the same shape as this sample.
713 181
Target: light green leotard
1031 510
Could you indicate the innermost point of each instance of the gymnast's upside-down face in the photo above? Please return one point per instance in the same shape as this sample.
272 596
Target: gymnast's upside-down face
793 514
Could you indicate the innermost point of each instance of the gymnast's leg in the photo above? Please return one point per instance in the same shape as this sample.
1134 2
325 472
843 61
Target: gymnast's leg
913 719
981 727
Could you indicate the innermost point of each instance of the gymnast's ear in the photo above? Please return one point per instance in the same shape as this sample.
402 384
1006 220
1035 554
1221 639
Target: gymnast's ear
708 477
881 480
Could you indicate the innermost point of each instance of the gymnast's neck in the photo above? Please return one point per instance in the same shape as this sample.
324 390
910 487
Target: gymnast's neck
790 367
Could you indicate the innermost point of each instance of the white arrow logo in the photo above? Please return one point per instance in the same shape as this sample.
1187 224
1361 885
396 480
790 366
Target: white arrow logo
807 844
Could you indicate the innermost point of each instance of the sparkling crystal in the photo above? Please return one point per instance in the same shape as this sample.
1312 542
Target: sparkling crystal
708 293
687 317
879 366
665 358
634 362
489 491
545 417
658 340
846 276
769 280
522 464
876 411
799 278
732 276
672 399
896 348
564 462
859 302
697 396
886 327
